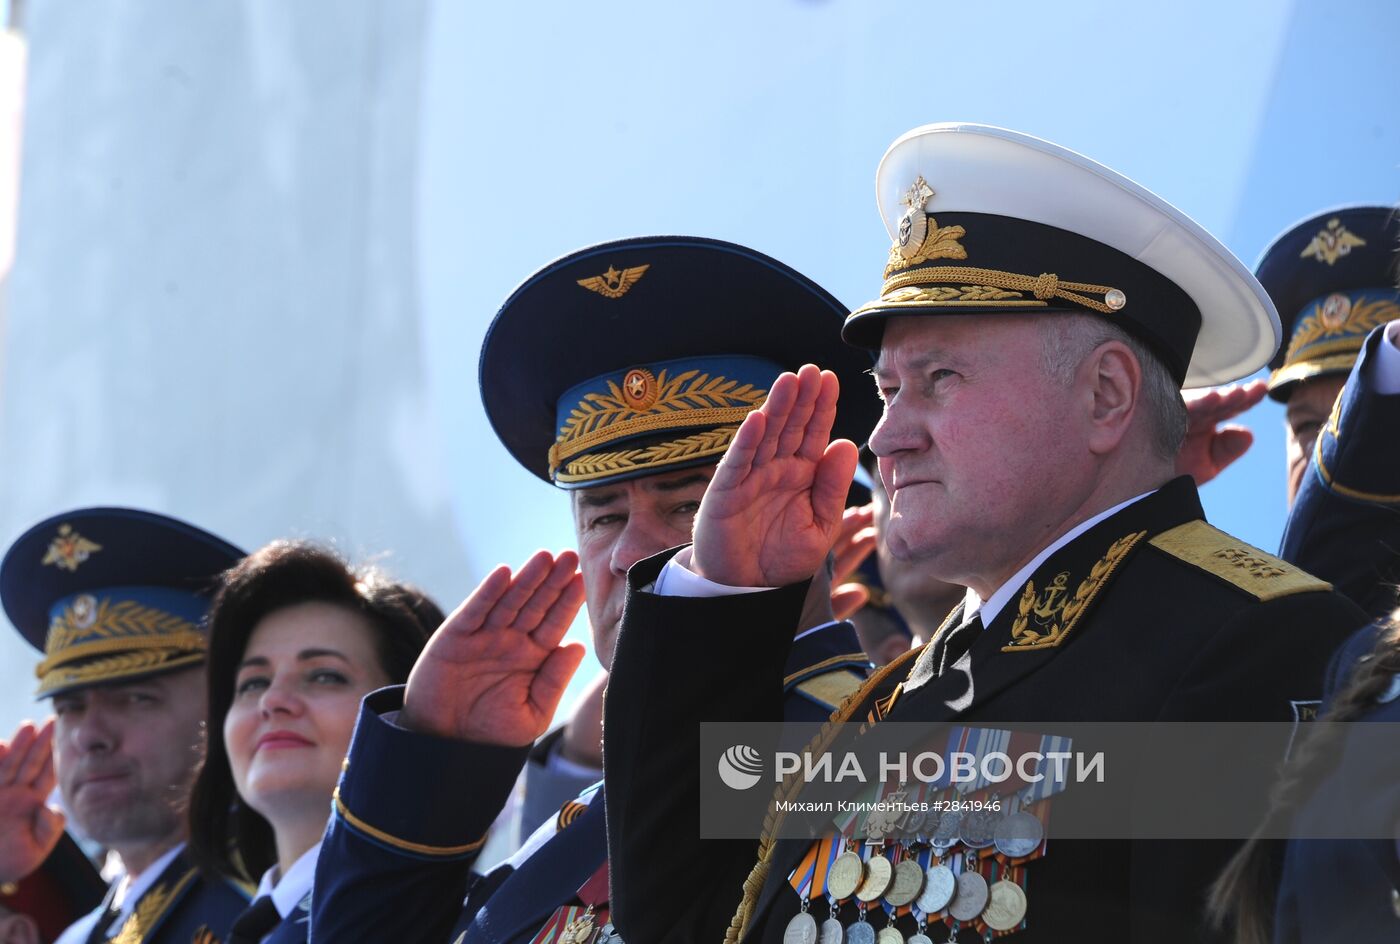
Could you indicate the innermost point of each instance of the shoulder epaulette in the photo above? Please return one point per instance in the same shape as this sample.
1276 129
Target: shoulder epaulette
830 689
1256 572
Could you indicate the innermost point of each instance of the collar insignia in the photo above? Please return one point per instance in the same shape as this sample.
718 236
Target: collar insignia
614 284
1044 619
69 549
1331 243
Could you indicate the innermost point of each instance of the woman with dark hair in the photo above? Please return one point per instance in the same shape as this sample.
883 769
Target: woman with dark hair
1313 889
297 638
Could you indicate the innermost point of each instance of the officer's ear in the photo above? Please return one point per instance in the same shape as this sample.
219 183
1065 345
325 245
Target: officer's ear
1115 379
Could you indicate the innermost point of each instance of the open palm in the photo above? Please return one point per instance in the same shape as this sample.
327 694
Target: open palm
494 672
774 507
29 829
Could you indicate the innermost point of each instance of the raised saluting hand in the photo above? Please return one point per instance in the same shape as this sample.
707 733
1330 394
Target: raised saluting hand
494 672
775 506
29 828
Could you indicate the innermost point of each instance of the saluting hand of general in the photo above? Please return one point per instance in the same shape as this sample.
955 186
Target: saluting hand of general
774 507
29 828
1210 447
494 672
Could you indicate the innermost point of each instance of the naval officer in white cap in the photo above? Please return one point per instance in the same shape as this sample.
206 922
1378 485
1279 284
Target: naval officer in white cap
1037 317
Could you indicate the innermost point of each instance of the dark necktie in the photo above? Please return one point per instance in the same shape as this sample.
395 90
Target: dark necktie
953 645
947 647
255 922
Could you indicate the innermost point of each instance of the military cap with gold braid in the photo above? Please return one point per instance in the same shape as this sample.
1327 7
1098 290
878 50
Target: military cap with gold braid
990 221
1333 278
112 594
644 355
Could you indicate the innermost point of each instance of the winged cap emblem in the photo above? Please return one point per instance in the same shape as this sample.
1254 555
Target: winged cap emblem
69 549
1331 243
614 283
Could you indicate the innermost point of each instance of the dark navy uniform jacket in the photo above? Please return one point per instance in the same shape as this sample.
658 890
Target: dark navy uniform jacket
1348 889
1179 622
295 927
1345 524
412 810
183 906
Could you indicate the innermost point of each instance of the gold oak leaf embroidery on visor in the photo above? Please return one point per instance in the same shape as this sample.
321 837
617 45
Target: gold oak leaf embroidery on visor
688 399
1338 317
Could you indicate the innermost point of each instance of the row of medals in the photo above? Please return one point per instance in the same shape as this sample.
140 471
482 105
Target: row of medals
966 896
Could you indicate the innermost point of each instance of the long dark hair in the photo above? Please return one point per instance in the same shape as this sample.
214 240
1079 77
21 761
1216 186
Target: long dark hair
226 835
1247 890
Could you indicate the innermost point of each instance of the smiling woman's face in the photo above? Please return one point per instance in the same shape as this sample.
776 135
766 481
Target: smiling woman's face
296 695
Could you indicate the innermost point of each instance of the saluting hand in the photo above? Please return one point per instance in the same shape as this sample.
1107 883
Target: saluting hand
1209 448
774 507
855 541
494 672
29 829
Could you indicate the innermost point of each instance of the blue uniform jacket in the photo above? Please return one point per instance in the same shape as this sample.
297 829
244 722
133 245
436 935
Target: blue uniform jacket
1346 889
1345 524
183 906
412 811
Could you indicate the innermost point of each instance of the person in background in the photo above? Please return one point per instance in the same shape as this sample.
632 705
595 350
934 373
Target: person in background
922 601
37 908
116 599
1333 278
1330 889
643 357
297 638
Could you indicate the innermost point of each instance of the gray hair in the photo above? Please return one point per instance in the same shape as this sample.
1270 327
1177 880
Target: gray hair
1069 339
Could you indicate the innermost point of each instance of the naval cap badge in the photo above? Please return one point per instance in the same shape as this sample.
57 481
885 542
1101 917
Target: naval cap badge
913 225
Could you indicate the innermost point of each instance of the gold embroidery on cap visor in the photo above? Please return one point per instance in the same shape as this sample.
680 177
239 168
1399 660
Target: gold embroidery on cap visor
972 286
1322 345
688 400
919 238
114 640
593 466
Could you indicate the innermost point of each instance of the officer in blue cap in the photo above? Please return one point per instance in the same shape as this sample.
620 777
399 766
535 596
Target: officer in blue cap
620 374
115 599
1333 278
